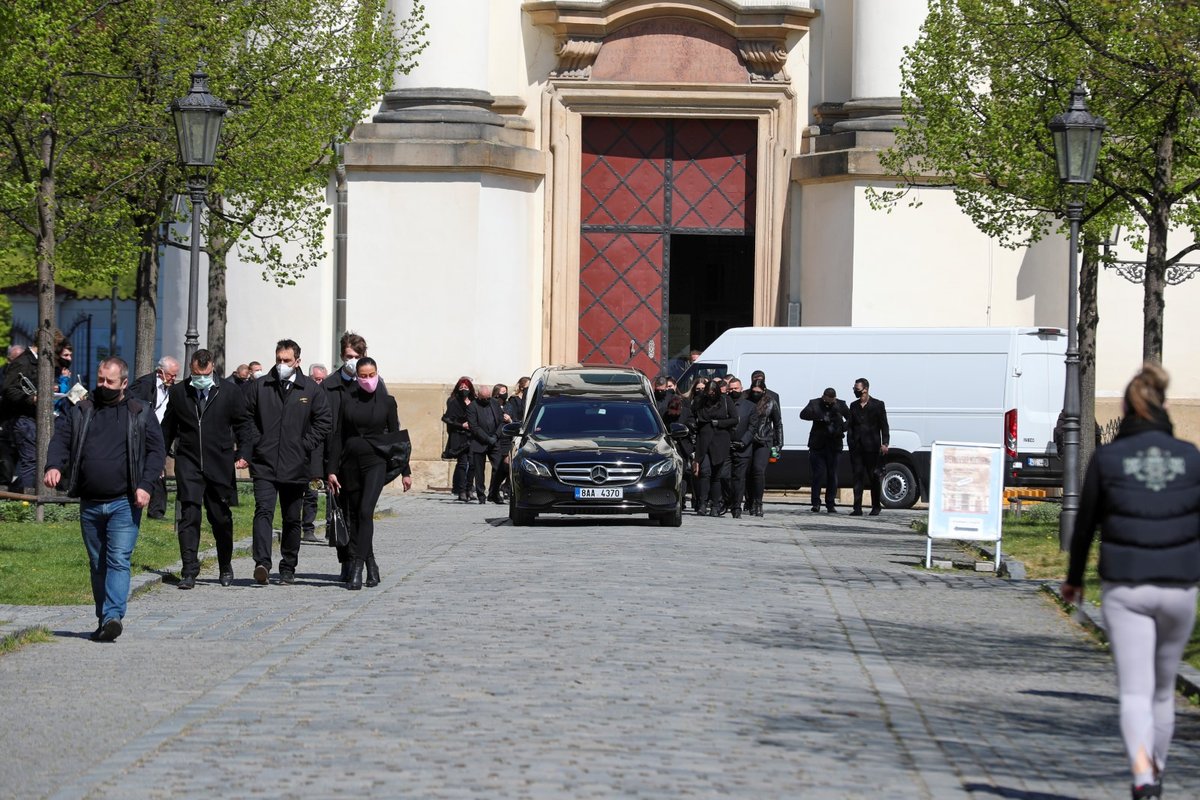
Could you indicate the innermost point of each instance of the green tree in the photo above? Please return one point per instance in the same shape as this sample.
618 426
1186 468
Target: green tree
61 164
982 83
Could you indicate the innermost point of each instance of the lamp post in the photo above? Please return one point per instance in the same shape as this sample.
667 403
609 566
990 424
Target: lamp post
198 117
1077 135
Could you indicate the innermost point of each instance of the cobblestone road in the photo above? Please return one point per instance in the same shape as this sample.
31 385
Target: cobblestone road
791 656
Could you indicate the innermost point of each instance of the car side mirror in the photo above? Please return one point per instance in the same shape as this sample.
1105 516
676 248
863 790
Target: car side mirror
678 430
511 430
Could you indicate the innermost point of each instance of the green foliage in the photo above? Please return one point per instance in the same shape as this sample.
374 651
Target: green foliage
1042 513
26 511
985 78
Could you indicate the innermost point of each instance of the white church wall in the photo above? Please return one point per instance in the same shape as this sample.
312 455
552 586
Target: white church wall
822 59
826 241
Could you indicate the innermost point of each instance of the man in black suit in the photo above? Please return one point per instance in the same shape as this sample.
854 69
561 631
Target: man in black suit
291 415
828 415
154 388
868 440
485 418
202 417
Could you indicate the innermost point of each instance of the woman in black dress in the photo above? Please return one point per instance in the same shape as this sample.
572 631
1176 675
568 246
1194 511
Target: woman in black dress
715 419
356 468
458 437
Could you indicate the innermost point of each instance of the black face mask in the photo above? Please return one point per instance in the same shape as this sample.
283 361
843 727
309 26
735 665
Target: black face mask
660 393
483 401
756 396
736 395
859 393
64 363
464 392
501 397
105 395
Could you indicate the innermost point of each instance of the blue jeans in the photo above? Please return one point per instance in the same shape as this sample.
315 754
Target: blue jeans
110 531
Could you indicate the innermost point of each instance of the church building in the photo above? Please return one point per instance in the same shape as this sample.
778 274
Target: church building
618 181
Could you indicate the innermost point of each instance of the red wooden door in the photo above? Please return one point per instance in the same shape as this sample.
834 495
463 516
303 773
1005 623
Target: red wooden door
641 179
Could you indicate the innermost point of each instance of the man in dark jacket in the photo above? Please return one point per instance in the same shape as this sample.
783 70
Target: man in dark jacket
828 415
485 418
154 388
107 451
291 415
868 439
201 420
740 442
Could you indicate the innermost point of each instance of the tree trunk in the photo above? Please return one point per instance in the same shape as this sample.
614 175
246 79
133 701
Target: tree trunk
218 312
47 312
1159 225
1089 321
147 300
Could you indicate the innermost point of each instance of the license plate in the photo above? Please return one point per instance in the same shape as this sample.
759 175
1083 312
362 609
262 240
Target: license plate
599 493
1039 462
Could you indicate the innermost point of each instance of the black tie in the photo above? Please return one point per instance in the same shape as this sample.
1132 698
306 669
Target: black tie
204 398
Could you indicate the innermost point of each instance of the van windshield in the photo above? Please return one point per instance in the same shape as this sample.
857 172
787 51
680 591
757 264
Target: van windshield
602 419
703 370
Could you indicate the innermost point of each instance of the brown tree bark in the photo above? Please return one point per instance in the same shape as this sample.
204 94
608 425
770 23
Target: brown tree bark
1159 225
47 310
218 313
146 298
1089 322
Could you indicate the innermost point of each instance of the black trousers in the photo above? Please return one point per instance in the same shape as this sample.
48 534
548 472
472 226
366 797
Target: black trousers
719 487
308 519
359 504
462 474
739 465
220 519
760 456
701 482
24 444
290 497
478 462
864 463
499 475
823 462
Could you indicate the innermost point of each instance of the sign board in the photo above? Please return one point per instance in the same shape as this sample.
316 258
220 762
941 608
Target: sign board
966 485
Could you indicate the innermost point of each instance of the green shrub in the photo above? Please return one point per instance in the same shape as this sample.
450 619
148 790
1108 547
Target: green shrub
1042 512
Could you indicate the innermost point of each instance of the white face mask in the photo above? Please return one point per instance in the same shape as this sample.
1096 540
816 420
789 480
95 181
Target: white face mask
258 373
285 371
349 365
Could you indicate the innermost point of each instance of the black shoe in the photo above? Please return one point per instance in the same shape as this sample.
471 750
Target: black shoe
226 577
830 510
816 509
261 573
372 572
95 635
287 576
737 512
498 501
157 515
481 499
310 536
758 511
186 582
347 568
856 512
1146 790
356 576
109 631
464 497
705 510
874 512
719 511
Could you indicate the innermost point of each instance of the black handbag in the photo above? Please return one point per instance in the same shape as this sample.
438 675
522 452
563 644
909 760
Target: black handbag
337 531
395 449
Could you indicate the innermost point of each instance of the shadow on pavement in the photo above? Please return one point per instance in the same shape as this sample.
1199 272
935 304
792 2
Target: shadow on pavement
1017 794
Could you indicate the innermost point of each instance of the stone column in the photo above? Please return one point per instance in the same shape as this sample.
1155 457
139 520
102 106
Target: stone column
457 53
882 29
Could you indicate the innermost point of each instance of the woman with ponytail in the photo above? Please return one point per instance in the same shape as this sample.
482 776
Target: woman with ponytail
1142 492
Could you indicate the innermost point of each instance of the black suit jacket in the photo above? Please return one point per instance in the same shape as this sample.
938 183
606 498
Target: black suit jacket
828 423
291 427
868 428
208 438
485 422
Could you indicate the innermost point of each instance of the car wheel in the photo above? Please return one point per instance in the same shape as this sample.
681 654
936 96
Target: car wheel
899 485
519 516
673 519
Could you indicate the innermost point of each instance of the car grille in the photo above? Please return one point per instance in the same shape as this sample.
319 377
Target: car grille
598 474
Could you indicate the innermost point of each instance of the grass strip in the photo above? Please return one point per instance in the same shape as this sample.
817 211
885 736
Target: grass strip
15 641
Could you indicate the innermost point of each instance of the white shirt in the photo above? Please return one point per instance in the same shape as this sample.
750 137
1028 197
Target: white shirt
161 397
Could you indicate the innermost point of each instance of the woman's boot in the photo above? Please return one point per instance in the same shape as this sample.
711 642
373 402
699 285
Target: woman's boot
356 575
347 566
372 572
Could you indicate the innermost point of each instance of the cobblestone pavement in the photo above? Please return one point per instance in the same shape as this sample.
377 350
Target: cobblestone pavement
796 655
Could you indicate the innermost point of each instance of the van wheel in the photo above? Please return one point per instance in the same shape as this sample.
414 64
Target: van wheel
899 485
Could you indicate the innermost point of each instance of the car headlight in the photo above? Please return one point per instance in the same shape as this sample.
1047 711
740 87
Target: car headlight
661 468
534 468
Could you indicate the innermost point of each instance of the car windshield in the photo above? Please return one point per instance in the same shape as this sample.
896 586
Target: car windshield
605 419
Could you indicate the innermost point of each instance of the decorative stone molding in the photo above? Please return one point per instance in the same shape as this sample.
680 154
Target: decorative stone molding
765 60
743 19
576 56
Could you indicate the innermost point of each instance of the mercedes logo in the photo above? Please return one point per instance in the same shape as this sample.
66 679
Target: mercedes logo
599 474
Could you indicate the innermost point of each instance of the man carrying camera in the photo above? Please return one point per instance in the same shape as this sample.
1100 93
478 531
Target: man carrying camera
828 415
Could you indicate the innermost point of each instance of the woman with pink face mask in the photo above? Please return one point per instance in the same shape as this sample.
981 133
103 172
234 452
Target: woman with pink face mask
356 469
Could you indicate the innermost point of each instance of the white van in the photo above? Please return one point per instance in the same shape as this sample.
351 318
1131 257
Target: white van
987 385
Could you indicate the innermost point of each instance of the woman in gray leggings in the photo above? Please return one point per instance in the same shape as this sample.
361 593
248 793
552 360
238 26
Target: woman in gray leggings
1143 493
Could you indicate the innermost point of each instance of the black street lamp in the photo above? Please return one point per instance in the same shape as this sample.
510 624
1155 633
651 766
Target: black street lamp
1077 135
198 118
